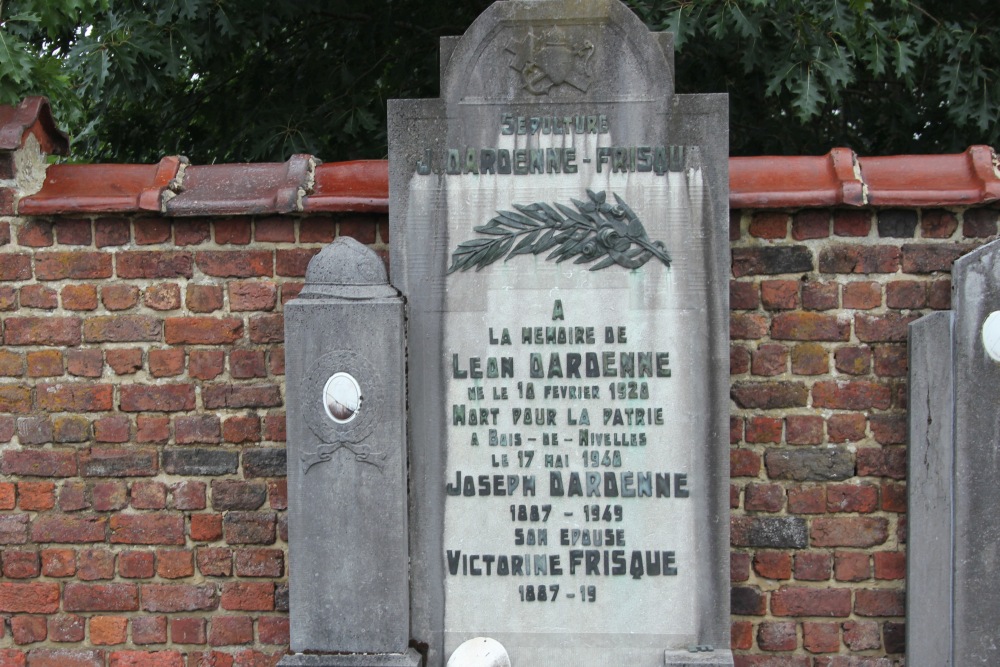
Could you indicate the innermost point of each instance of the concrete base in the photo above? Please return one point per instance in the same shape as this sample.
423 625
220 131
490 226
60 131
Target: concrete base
720 658
409 659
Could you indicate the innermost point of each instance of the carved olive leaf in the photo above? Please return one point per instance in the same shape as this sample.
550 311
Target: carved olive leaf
517 220
524 245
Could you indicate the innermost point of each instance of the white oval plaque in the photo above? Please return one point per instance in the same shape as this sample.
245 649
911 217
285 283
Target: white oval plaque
991 335
342 397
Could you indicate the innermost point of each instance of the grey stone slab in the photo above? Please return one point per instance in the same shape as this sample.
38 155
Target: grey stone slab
410 658
346 451
551 60
929 510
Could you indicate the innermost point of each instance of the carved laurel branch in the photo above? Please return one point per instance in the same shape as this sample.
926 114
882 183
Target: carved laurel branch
595 230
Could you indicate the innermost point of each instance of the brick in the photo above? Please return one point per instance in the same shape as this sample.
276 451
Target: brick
851 222
43 657
317 230
152 429
206 364
39 463
290 291
779 532
143 659
360 229
769 359
136 564
66 628
73 496
743 295
862 635
231 494
121 329
281 597
747 601
29 598
891 327
275 630
110 495
150 630
172 598
74 265
111 232
292 263
119 296
11 363
739 566
267 328
160 528
114 429
230 630
7 495
862 295
846 427
248 596
906 294
773 564
165 296
74 397
769 395
149 495
188 495
252 295
39 296
747 326
124 362
763 430
849 531
68 528
810 359
235 231
813 566
241 429
221 396
85 363
202 330
895 637
859 259
198 462
925 258
21 564
851 395
274 427
810 326
274 230
154 264
203 298
34 430
880 602
277 492
889 565
54 331
190 429
979 223
821 637
249 527
36 496
79 297
260 563
16 267
206 527
215 562
157 398
854 360
174 564
58 562
100 597
245 364
744 463
236 264
191 232
126 462
820 296
108 630
937 224
28 629
777 636
188 631
768 225
862 498
810 224
70 428
809 464
779 294
893 497
765 497
891 361
771 260
796 601
739 360
895 223
151 231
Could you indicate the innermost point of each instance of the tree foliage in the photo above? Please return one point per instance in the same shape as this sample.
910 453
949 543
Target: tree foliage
233 80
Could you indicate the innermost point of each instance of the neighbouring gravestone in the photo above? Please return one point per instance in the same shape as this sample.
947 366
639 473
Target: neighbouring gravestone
559 227
347 518
953 559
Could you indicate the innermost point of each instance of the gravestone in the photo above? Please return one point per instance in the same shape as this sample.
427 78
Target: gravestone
953 561
559 228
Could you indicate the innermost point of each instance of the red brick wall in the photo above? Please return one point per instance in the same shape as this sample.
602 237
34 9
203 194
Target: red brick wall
142 493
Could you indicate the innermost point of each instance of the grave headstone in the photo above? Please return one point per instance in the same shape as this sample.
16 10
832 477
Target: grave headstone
953 560
559 227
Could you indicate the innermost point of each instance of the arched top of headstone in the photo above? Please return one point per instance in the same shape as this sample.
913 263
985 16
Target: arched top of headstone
528 51
347 269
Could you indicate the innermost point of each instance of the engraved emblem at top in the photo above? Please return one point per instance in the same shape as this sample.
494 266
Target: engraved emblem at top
552 59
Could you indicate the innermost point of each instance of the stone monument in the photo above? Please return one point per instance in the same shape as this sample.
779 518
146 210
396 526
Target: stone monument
953 559
560 232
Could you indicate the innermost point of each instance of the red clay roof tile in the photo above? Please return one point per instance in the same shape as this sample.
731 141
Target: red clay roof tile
361 186
31 116
932 180
243 189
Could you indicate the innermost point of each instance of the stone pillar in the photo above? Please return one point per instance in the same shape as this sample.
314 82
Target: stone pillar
347 503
